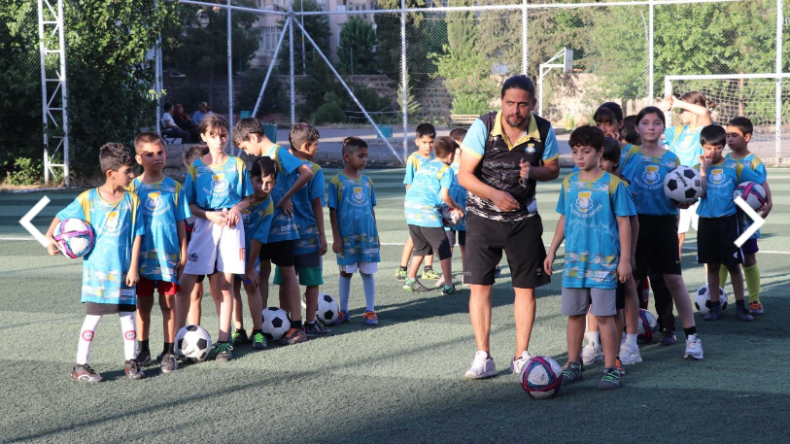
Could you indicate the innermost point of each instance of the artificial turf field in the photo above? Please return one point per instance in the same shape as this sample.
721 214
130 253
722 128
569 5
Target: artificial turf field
399 382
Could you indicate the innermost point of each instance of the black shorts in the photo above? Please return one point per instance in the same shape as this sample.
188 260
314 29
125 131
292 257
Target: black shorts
716 241
657 246
461 237
619 300
96 309
522 242
429 239
279 253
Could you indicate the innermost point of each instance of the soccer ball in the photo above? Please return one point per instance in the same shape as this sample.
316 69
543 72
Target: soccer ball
327 309
703 297
682 185
193 342
752 193
541 377
647 326
275 323
74 237
450 217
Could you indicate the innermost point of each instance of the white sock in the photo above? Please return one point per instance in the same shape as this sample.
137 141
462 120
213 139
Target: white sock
630 339
129 334
86 338
344 284
369 285
594 338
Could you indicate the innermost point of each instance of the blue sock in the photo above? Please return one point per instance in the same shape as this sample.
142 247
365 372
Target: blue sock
345 292
370 291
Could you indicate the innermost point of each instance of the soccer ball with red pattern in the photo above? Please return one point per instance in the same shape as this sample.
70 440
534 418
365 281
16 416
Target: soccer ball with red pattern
74 237
541 377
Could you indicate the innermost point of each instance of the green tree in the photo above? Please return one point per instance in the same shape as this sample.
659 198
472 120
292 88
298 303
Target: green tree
356 51
317 27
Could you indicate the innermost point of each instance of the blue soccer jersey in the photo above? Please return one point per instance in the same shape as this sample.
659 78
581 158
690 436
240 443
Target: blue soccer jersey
354 199
684 142
646 175
413 164
303 210
116 224
458 194
163 204
257 219
751 162
722 179
592 238
283 227
214 187
423 204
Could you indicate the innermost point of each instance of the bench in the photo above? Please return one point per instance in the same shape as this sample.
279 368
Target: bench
462 119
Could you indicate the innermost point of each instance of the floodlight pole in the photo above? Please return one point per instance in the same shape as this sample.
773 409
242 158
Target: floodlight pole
544 68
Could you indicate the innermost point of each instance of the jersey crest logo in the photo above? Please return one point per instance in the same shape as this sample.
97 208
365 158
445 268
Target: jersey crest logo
717 176
584 202
651 175
218 183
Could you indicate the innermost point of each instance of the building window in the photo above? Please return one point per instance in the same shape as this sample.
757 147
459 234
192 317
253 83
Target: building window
269 37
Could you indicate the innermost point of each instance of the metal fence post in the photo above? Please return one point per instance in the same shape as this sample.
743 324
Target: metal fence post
291 58
230 75
650 79
779 19
524 48
404 80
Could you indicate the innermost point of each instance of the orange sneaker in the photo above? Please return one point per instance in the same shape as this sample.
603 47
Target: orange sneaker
370 318
756 308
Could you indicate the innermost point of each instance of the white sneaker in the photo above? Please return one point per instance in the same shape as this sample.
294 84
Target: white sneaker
482 367
592 353
693 348
517 364
629 354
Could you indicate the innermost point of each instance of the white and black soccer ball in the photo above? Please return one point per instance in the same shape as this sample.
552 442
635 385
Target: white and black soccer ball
702 299
450 217
752 193
327 310
683 185
647 326
74 237
193 342
541 377
275 323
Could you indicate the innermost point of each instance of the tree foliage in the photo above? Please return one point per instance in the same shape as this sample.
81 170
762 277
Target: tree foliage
317 27
356 51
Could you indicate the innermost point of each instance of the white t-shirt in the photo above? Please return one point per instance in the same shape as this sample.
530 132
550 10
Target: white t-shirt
168 122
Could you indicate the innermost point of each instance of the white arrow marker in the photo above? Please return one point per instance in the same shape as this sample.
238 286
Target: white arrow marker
758 221
25 221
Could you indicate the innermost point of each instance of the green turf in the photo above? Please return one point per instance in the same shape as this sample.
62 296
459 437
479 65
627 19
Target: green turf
399 382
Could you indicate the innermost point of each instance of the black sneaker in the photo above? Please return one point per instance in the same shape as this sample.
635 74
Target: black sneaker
169 363
222 351
743 314
572 373
143 358
715 311
611 380
84 373
239 337
312 330
133 370
448 290
668 337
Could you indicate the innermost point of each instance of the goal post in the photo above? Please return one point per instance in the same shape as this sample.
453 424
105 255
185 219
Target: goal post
763 98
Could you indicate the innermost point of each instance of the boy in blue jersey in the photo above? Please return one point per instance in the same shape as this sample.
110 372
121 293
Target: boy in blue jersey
309 216
164 250
719 224
423 202
458 194
257 219
739 133
218 189
355 236
594 209
656 247
283 233
426 134
109 270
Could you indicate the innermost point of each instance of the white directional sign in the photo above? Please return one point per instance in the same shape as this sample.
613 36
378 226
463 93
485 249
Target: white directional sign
758 221
25 221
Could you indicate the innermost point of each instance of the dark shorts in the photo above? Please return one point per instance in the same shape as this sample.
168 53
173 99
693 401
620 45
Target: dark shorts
429 239
461 237
146 287
279 253
522 242
657 246
750 247
95 309
716 241
619 301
